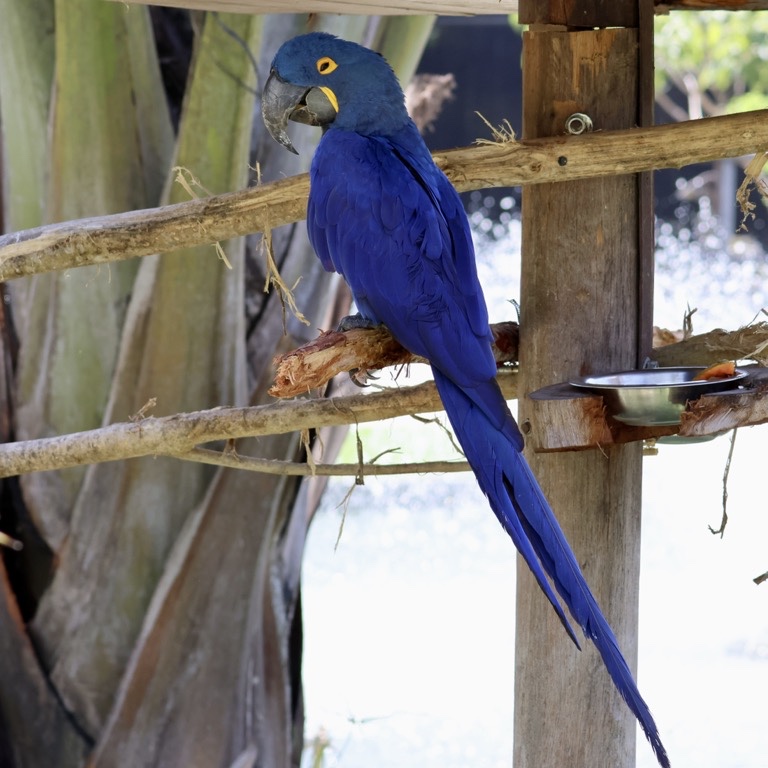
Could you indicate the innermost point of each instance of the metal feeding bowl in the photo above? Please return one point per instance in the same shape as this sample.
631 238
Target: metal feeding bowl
656 396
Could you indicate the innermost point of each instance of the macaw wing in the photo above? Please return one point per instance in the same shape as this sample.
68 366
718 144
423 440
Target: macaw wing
386 218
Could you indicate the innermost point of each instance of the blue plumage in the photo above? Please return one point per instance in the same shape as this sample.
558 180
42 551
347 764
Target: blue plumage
387 219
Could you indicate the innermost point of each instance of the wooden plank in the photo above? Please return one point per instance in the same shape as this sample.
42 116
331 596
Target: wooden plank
365 7
532 161
579 313
459 7
664 6
578 421
713 414
579 13
574 420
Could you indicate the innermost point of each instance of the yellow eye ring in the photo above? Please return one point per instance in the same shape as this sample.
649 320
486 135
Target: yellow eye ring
326 65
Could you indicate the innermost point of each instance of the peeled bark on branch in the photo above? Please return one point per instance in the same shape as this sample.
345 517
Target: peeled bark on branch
489 164
314 364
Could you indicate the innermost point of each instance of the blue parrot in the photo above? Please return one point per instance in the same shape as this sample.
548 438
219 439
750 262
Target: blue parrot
384 216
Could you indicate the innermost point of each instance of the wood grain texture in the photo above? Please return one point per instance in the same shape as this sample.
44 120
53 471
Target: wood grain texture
579 314
579 13
646 235
664 6
569 10
619 13
712 414
364 7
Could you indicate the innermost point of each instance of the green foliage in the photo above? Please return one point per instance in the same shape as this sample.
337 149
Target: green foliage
716 58
26 35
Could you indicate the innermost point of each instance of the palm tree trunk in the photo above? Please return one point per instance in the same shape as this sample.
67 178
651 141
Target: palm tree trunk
169 630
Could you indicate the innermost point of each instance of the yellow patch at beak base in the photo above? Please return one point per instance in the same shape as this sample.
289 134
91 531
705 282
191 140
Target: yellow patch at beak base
331 97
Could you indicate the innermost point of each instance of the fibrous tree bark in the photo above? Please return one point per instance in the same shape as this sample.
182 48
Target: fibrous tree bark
150 592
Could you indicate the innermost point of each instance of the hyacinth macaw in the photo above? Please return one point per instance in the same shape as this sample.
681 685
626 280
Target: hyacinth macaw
388 220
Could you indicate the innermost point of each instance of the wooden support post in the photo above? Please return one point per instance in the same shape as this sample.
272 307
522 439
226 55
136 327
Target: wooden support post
579 315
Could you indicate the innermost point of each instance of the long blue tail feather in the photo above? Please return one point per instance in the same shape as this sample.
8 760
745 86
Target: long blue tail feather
493 449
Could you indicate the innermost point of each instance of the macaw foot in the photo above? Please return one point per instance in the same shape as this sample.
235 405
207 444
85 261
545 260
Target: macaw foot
352 322
360 377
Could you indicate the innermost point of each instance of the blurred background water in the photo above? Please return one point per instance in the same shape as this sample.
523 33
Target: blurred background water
409 624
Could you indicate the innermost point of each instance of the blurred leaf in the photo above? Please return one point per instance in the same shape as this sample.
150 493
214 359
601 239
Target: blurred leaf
109 130
723 52
401 41
26 73
747 102
183 343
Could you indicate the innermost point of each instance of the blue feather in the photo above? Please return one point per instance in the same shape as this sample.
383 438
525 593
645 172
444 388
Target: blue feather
514 495
386 218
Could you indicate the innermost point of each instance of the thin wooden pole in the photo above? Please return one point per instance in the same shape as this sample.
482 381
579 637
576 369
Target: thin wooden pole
646 236
579 313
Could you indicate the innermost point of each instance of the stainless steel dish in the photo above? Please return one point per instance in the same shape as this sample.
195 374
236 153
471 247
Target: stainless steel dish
655 396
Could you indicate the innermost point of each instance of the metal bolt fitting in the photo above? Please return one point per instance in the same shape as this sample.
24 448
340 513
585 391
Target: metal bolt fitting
578 123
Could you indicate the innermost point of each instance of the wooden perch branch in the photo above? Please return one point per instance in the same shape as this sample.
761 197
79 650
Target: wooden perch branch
277 467
512 163
748 343
314 364
179 434
153 230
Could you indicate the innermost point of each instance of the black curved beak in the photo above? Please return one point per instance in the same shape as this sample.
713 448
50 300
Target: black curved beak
282 101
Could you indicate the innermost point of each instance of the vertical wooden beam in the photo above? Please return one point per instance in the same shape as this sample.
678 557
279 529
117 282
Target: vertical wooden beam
646 244
579 315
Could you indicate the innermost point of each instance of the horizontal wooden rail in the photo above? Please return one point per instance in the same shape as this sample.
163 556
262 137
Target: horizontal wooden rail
492 164
415 7
362 7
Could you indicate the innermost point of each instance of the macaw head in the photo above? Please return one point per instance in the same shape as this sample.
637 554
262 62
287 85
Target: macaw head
319 79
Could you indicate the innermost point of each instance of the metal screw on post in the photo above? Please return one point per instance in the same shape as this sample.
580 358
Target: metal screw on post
578 123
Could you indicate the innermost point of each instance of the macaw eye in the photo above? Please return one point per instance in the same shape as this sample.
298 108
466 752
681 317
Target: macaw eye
326 65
